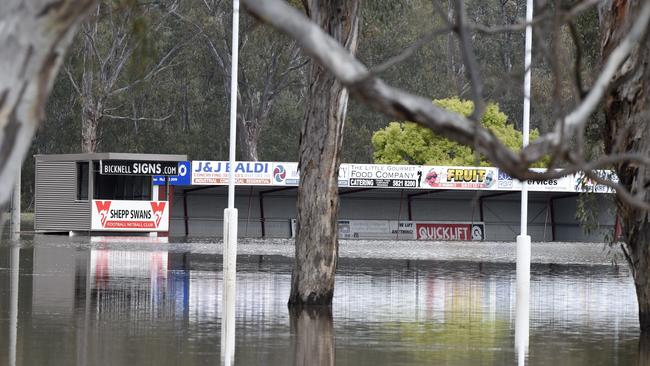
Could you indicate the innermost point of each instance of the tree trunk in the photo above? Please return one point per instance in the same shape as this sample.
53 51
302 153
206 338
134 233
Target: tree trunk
249 138
89 126
33 39
316 255
453 74
313 333
626 111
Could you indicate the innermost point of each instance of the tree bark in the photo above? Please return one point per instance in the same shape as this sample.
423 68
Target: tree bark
626 111
33 39
316 255
249 137
89 127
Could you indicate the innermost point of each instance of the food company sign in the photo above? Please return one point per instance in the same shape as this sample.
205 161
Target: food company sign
138 167
113 215
383 176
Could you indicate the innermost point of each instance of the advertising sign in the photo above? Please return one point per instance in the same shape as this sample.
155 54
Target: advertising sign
375 229
381 176
184 177
459 177
384 176
562 184
504 181
449 231
137 167
246 173
113 215
285 174
582 183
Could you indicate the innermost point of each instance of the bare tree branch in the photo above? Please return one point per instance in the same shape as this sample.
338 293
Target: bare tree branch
565 16
159 119
409 51
404 106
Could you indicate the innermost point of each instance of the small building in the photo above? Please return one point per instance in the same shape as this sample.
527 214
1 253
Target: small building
103 192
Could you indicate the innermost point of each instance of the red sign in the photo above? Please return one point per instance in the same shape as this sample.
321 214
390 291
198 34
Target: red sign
448 231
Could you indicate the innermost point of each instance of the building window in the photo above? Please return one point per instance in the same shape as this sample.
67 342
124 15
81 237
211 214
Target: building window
121 187
82 181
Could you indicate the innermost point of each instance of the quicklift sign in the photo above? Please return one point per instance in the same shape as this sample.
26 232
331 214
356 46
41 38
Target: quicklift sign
137 167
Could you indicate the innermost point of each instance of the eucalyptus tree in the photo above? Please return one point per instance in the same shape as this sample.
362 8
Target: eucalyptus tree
626 51
317 247
102 56
269 64
627 118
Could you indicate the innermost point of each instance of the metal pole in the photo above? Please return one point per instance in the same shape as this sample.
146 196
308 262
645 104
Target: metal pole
523 240
15 207
230 214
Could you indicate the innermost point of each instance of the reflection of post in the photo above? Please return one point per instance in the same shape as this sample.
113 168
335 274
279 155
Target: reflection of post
521 322
229 289
312 331
13 310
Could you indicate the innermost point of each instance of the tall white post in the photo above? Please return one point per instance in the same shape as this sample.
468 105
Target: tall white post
230 216
523 240
15 207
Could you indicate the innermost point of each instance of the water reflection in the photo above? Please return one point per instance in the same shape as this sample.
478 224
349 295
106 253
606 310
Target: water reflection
644 350
14 266
102 306
312 335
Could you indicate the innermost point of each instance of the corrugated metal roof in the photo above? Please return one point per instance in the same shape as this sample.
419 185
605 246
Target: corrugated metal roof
109 156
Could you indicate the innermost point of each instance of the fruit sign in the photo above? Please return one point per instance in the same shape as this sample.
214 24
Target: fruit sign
111 215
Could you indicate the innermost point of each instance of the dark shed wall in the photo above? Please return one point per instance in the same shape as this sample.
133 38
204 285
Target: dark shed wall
501 213
56 205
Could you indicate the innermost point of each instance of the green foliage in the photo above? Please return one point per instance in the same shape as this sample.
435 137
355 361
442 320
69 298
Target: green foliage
409 143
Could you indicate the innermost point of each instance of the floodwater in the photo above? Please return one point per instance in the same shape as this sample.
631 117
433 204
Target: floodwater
126 301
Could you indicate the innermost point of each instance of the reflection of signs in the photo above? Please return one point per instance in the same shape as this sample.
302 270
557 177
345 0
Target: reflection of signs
102 209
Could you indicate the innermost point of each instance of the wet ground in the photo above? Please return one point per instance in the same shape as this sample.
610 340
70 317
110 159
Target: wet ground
125 301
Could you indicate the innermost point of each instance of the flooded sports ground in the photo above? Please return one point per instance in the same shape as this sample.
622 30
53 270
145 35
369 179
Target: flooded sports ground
144 301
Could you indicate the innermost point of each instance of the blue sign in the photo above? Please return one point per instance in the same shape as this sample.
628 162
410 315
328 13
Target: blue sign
184 177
